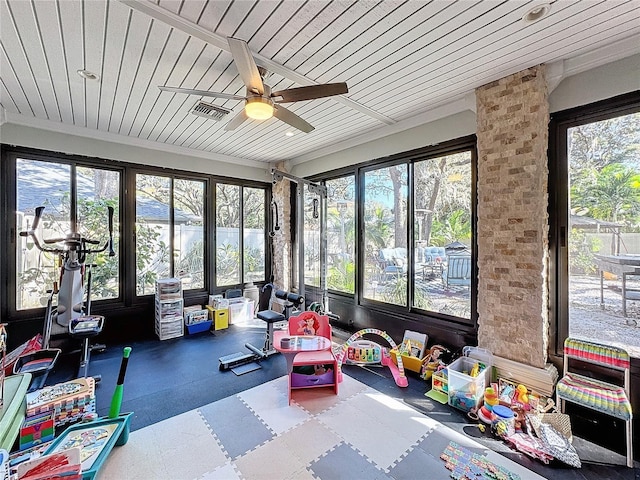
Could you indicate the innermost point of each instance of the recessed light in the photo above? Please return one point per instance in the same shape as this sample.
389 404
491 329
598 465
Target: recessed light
536 13
87 75
289 134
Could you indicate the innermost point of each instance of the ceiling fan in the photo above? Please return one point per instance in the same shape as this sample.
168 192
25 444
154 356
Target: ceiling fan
260 102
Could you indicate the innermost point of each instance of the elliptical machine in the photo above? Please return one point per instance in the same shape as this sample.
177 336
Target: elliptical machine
71 313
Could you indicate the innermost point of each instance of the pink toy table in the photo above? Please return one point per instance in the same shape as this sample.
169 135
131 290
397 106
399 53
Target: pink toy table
305 350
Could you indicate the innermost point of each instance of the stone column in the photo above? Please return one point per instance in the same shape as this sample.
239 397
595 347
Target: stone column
282 240
513 289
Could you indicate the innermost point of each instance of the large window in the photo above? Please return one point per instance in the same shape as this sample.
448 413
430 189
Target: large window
169 231
385 234
228 210
210 234
254 228
442 234
600 159
341 234
399 233
75 199
312 237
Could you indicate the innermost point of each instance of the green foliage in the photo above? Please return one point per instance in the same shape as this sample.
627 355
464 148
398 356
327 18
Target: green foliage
582 248
612 194
253 260
152 257
227 262
455 226
341 276
191 265
395 292
378 227
598 144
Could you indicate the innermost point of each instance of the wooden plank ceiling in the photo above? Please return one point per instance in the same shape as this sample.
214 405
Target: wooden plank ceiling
400 59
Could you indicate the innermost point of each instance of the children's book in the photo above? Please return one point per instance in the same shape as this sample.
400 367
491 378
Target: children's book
415 343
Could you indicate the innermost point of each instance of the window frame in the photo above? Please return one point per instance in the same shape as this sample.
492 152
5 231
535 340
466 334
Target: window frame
397 312
126 249
560 123
10 158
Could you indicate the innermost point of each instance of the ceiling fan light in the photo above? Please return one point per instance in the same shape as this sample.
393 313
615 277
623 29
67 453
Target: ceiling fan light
259 108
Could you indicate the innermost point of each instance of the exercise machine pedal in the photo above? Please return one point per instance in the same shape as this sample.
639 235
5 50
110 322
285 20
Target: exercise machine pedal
232 360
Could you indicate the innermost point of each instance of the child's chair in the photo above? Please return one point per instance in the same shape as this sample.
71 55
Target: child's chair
604 397
311 323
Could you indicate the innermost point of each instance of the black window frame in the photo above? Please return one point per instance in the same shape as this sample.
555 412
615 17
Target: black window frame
560 123
127 268
424 317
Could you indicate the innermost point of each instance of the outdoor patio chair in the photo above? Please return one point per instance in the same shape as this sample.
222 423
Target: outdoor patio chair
458 271
393 262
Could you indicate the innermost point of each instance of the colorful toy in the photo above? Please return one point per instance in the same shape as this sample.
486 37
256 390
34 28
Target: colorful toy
490 398
396 371
308 325
364 352
463 463
521 396
3 353
116 400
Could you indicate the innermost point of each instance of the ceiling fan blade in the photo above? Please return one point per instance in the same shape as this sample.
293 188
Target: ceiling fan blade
204 93
236 121
246 65
311 92
292 119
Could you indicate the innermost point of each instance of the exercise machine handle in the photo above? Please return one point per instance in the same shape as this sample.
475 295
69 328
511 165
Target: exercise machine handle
36 220
112 253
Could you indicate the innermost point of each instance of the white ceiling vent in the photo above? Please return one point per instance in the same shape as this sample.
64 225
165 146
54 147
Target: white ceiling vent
212 112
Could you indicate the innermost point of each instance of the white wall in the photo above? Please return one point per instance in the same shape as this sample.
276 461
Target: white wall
453 126
26 136
597 84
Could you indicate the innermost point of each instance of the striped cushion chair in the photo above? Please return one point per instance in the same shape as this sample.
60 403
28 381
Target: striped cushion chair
596 394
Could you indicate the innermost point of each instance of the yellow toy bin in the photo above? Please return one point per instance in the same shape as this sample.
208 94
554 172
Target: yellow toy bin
219 316
410 363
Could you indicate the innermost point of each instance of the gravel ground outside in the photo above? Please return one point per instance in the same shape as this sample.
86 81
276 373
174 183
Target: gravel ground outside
588 320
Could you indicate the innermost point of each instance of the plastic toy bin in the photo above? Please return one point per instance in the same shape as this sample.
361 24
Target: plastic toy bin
466 392
199 327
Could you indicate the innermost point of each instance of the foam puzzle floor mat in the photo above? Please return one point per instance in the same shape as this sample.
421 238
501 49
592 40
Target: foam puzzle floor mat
256 434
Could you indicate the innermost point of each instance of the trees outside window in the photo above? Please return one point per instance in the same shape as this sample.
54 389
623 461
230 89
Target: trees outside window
74 197
228 210
603 211
443 234
254 228
341 238
169 231
385 234
407 223
312 238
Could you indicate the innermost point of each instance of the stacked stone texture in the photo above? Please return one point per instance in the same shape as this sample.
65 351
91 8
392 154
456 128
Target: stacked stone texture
512 130
282 239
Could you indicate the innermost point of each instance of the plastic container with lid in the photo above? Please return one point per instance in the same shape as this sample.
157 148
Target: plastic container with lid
469 375
503 421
